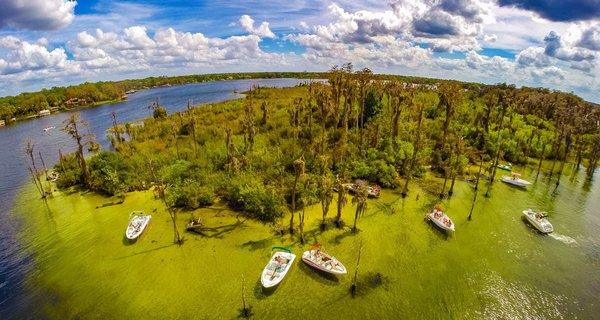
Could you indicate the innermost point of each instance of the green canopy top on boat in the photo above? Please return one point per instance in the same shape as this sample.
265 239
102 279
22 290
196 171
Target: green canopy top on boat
287 249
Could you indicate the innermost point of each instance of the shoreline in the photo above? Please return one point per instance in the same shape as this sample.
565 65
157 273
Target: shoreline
214 77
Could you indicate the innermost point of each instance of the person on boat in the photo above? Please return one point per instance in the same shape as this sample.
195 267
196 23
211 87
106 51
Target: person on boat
538 216
281 260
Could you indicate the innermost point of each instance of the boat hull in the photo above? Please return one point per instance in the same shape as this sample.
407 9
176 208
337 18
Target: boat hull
440 222
332 266
515 182
542 225
136 226
274 271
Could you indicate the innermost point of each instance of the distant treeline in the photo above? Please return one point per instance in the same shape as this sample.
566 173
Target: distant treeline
85 94
63 98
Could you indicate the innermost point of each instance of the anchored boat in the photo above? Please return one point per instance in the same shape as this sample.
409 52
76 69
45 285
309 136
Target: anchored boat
515 180
137 224
373 191
538 220
277 267
440 219
505 167
323 261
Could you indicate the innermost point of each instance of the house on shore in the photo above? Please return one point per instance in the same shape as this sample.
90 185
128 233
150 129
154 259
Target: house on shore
44 112
2 123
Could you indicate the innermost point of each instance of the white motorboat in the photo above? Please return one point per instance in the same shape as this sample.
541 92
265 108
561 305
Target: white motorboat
323 261
137 224
505 167
49 128
515 180
440 219
278 266
538 220
373 191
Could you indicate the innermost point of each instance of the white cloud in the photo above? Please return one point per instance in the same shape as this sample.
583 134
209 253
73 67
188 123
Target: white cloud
490 38
37 14
549 73
25 56
400 37
533 56
262 31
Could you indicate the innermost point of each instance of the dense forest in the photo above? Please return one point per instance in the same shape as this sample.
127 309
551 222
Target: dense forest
276 151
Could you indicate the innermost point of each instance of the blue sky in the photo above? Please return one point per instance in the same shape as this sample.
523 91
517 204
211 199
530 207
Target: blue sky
555 44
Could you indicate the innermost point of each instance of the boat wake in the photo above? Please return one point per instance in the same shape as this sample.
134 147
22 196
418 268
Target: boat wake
562 238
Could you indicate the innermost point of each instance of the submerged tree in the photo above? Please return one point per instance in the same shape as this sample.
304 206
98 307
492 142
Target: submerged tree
360 199
341 201
476 187
299 167
72 127
160 189
416 143
308 197
503 101
325 193
33 170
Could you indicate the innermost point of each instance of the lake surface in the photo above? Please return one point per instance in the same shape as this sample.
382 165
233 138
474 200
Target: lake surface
68 259
14 262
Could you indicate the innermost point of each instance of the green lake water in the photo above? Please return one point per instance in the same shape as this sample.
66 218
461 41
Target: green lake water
494 267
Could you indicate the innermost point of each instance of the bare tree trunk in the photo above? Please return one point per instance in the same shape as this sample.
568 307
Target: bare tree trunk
564 159
540 162
497 156
476 188
29 149
354 281
193 124
293 204
414 156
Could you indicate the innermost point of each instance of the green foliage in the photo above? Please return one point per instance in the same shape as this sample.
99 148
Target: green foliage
377 171
307 123
373 104
248 194
191 195
110 173
69 172
159 113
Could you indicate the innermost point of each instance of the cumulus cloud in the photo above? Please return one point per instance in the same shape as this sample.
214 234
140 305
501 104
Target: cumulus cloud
559 10
262 31
25 56
533 56
552 73
397 37
448 18
490 38
444 25
37 14
590 38
555 47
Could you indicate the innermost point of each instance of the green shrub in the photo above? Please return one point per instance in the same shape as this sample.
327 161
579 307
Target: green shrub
69 173
253 197
376 171
109 173
191 195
